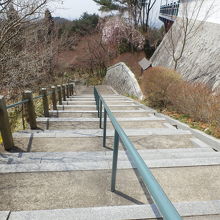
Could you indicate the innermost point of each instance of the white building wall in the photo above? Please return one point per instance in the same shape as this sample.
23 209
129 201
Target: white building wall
202 10
200 61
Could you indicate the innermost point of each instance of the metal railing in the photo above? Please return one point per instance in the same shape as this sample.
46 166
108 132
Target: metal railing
166 208
57 93
171 9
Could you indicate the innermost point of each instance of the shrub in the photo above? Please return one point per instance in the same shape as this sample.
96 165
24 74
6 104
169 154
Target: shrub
156 83
164 88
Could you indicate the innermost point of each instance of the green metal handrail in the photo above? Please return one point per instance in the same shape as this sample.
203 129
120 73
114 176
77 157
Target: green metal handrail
166 208
38 97
26 101
16 104
41 96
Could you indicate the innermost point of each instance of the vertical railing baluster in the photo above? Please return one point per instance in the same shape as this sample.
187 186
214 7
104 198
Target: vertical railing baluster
31 114
115 160
54 97
104 128
45 102
100 114
64 92
5 127
67 90
71 89
59 90
74 89
98 101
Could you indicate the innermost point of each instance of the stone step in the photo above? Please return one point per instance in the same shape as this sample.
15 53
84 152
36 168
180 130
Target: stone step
110 102
116 98
99 132
59 166
91 188
79 102
91 143
89 123
93 114
151 118
61 190
92 95
188 210
93 107
71 157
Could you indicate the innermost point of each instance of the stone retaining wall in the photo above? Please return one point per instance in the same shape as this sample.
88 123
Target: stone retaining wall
123 80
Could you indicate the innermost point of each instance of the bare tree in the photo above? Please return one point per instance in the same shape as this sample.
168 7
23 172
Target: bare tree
27 58
14 14
193 14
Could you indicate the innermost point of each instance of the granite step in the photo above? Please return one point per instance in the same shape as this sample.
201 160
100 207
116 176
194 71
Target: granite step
95 143
115 98
110 102
89 123
93 107
99 132
196 210
84 188
71 157
94 114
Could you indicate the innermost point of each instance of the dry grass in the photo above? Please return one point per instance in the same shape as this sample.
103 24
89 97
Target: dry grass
165 90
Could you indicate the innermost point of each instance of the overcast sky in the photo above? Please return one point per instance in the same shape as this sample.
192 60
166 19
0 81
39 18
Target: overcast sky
71 9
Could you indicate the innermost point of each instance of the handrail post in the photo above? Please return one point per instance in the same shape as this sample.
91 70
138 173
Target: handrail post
67 90
45 102
100 114
70 89
72 92
98 106
30 109
115 160
64 92
59 91
73 87
104 128
5 127
54 98
95 94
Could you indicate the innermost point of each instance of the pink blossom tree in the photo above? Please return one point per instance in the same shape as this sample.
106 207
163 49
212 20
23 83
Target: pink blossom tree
116 29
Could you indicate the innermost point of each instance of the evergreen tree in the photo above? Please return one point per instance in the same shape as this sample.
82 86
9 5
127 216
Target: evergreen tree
49 24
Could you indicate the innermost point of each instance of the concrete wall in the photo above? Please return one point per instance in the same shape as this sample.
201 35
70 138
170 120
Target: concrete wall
207 10
201 57
123 80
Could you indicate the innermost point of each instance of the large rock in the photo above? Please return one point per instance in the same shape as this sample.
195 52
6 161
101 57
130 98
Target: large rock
200 61
123 80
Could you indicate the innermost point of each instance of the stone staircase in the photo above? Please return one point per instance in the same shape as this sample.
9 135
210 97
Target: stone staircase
62 171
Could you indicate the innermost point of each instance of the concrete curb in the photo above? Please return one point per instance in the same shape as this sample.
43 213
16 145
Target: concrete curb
211 141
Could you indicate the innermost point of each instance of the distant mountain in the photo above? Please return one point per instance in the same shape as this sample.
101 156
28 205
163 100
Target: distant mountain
60 20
